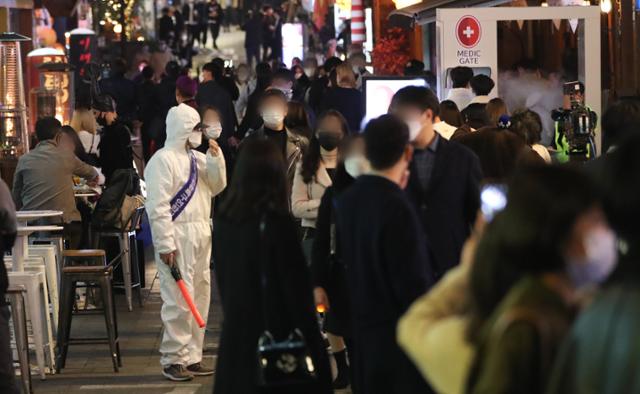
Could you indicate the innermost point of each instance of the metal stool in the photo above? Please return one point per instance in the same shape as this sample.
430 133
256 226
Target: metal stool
128 255
100 275
15 296
35 283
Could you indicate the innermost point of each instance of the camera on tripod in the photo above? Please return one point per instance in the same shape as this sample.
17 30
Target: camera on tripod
576 123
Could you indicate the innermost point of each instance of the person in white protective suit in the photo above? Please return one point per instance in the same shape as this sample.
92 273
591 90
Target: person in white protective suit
181 183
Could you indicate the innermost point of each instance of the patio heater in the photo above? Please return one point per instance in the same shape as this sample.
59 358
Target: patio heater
14 136
55 96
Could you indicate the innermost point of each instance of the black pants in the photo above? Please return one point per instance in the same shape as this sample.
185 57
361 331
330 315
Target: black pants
253 53
76 235
215 32
7 374
192 34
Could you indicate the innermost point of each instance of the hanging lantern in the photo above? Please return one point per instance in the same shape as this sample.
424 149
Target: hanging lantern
14 136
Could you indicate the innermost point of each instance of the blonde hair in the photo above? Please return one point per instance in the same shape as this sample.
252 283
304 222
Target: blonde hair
345 76
83 120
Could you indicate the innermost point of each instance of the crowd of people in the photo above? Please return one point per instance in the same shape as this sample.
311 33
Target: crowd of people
185 29
382 229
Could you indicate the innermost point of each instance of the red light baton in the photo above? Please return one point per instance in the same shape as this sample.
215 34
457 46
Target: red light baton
175 272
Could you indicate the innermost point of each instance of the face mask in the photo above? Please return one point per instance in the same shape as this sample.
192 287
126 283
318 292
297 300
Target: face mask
102 121
309 71
356 69
357 165
415 127
600 259
195 139
328 140
272 119
287 92
213 131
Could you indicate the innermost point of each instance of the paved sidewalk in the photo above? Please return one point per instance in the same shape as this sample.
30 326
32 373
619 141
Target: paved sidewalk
89 369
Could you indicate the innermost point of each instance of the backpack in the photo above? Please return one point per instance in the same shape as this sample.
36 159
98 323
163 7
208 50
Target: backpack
121 197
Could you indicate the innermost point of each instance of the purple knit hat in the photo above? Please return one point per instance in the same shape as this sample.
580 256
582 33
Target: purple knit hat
187 86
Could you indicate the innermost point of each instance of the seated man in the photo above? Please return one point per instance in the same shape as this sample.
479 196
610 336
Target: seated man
44 179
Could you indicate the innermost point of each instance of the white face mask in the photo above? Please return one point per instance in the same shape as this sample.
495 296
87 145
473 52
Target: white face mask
357 165
214 130
309 71
287 92
272 119
195 139
415 127
600 260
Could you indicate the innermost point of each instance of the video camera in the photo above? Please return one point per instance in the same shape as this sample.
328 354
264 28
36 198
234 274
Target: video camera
576 124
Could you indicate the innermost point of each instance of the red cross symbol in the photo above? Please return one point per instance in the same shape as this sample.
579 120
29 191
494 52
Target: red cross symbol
468 31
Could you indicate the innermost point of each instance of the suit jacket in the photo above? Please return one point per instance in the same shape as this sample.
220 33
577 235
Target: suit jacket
384 250
212 93
448 208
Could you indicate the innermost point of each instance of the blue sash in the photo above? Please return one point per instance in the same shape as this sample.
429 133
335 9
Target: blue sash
181 199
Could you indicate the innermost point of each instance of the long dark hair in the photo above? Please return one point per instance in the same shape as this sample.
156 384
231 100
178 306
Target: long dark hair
258 184
297 119
528 236
311 158
498 150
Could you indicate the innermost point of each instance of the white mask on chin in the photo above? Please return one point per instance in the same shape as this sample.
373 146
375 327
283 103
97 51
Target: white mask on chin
415 127
601 246
195 139
357 165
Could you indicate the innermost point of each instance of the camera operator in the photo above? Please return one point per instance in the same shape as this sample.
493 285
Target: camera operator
575 126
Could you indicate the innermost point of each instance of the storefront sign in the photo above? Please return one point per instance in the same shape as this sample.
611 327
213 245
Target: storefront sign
82 49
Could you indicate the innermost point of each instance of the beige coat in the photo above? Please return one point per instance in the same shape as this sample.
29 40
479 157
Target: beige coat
305 197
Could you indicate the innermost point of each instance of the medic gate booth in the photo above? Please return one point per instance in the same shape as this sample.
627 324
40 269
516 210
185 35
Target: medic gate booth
468 37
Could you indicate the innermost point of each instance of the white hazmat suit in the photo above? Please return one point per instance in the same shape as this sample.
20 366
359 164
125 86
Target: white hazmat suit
189 235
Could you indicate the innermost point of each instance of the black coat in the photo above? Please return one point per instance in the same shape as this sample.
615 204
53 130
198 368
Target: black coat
123 91
289 300
116 152
252 119
349 102
165 28
384 249
328 271
211 93
448 209
253 32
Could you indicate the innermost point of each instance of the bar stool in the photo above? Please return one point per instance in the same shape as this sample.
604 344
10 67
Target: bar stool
35 285
98 274
49 255
15 296
128 255
35 262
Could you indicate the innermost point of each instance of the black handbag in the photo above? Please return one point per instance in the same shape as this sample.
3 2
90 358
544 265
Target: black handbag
280 363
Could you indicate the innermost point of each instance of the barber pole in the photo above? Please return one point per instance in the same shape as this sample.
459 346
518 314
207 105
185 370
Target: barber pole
358 34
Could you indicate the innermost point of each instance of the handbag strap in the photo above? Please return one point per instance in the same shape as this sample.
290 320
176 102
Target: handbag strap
333 245
264 250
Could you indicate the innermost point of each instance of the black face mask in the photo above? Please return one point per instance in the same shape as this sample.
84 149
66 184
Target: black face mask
328 140
102 121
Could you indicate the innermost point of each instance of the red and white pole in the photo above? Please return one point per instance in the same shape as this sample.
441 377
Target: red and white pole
358 32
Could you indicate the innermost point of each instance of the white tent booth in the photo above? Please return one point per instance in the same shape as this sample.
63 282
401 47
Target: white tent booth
469 37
